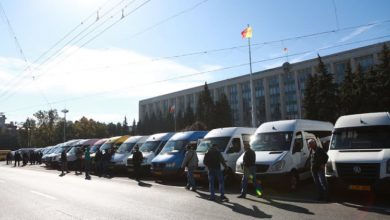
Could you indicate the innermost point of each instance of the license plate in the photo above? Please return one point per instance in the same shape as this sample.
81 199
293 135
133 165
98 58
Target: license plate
196 175
158 173
130 169
360 187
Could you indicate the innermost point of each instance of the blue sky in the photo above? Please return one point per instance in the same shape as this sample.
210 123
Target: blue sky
107 64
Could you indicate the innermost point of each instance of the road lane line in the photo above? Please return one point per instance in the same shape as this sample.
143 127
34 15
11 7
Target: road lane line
44 195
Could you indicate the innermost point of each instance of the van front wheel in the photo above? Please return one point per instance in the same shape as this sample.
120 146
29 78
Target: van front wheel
292 181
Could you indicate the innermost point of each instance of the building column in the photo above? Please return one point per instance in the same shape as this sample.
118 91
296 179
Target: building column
281 97
267 100
240 105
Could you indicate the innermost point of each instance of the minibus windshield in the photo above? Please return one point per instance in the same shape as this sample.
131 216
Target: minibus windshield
367 137
273 141
205 144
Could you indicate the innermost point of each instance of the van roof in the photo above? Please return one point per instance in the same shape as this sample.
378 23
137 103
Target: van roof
193 135
293 125
229 131
160 136
366 119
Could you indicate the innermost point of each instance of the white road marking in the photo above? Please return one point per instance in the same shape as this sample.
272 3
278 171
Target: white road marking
44 195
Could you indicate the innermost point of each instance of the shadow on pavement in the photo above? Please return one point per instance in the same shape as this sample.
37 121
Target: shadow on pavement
143 184
235 207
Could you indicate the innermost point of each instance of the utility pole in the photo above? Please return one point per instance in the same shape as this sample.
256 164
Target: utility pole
64 111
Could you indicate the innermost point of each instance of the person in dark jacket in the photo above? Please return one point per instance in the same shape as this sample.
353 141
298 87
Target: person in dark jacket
17 158
9 158
79 157
318 159
249 167
99 163
137 160
87 161
64 163
106 162
213 160
190 162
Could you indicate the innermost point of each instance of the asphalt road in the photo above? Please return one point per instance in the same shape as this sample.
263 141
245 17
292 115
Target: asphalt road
34 192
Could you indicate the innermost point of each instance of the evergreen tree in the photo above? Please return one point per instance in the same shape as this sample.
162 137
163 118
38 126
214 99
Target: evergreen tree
310 100
359 92
223 113
189 117
205 108
326 96
125 127
383 74
346 93
133 128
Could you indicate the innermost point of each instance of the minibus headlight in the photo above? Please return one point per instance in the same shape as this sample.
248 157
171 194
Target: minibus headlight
329 168
170 165
278 166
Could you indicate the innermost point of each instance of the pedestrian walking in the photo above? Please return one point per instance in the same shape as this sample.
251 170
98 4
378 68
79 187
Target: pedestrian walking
318 159
87 162
137 160
9 158
17 158
249 167
213 160
79 157
190 163
64 163
99 163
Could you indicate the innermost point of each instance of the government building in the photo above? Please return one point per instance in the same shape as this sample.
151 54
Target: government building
278 92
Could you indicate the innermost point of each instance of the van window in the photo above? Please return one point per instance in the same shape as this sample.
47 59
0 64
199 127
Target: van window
298 144
236 146
149 146
205 144
125 148
174 146
273 141
361 137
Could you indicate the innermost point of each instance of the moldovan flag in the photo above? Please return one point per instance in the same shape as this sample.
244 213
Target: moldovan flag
172 109
247 32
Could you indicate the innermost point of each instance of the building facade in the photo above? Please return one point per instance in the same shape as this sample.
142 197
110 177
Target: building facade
278 92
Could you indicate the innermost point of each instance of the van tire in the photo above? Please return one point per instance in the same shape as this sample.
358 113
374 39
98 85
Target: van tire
292 181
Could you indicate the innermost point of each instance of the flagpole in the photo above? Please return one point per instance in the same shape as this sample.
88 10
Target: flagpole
251 84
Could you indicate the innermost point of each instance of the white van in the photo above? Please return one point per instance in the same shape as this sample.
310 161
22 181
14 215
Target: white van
282 156
359 154
231 143
150 149
119 159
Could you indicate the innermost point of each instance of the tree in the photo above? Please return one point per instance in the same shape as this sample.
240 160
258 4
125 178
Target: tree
205 108
189 117
309 101
223 113
125 127
383 79
346 93
133 128
326 96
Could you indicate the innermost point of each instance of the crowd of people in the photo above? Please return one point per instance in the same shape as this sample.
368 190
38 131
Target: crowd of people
25 156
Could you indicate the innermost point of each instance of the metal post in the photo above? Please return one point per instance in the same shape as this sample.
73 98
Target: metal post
65 111
251 85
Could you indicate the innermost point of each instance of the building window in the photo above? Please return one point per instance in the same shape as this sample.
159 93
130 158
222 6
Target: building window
190 101
290 96
246 103
274 91
233 100
260 101
220 91
366 63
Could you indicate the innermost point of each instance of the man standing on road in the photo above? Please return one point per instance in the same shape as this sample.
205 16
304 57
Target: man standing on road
17 158
9 156
318 159
87 161
213 160
137 160
191 162
79 156
64 163
249 167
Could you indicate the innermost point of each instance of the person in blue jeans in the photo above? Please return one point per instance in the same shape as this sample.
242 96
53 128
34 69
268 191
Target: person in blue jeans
190 162
249 167
213 160
318 159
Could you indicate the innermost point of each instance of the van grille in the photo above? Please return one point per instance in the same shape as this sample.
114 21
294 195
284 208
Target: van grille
158 165
367 171
261 168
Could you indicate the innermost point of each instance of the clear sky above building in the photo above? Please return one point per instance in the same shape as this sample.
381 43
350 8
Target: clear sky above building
98 58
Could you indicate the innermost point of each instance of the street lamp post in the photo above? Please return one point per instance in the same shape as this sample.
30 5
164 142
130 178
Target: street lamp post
64 111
